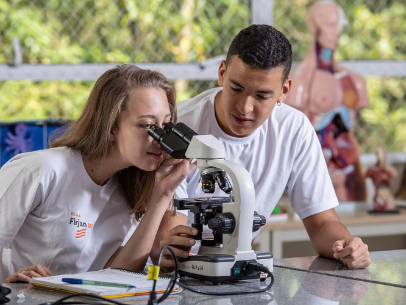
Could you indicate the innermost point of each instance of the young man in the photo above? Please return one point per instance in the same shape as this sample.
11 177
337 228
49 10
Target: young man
274 142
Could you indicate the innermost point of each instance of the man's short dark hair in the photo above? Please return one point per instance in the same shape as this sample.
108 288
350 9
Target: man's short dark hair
261 46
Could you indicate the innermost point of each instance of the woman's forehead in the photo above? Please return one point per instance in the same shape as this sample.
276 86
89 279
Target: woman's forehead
148 101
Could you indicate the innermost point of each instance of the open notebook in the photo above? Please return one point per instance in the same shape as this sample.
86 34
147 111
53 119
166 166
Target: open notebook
115 275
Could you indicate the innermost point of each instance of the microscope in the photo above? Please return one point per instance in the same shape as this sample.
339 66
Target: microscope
232 218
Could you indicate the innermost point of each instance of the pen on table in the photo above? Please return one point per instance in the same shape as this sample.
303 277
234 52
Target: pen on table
97 283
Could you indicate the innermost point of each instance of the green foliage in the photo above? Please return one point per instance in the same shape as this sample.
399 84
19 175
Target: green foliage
379 35
385 119
77 31
72 31
27 100
103 31
39 34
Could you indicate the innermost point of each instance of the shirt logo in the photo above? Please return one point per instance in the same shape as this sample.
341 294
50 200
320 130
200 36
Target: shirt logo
82 226
80 233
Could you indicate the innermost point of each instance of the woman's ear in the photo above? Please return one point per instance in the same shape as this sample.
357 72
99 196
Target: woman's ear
111 135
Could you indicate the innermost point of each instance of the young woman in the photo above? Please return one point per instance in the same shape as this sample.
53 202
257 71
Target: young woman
67 209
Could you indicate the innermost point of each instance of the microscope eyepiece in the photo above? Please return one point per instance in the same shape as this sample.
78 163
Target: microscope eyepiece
174 139
156 132
182 131
169 126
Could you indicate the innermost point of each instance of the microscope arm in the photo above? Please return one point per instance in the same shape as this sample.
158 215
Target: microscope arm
235 221
210 153
243 206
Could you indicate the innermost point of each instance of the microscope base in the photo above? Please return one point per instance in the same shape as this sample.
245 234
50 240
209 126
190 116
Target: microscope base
218 268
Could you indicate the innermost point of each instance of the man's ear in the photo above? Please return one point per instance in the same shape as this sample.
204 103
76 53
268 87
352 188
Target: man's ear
287 86
221 72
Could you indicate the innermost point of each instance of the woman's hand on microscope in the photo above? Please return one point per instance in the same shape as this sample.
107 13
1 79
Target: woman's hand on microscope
181 241
170 173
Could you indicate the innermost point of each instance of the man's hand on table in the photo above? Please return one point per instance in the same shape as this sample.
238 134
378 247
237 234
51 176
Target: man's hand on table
352 252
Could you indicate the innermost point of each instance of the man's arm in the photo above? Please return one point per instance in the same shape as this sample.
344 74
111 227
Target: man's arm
331 239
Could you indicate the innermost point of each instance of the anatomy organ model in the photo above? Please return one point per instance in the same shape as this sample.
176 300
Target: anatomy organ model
382 176
331 95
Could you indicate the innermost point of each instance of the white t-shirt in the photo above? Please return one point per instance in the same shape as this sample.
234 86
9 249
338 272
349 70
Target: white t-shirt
283 152
53 214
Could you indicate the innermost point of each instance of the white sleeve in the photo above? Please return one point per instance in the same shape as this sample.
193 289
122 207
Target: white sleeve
309 186
134 225
20 194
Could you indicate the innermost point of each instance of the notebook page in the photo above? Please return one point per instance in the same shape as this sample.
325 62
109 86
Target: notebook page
105 275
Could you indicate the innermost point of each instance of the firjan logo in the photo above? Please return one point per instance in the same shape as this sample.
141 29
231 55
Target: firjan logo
80 233
82 226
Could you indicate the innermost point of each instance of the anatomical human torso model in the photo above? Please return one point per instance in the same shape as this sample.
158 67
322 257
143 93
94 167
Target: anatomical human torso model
331 95
382 176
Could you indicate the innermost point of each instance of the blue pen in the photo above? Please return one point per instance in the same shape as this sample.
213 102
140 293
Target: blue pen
97 283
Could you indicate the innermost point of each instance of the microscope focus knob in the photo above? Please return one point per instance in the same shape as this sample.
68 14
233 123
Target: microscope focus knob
215 224
223 223
259 221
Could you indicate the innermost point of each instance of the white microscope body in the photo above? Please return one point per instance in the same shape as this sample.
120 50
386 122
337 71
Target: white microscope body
226 262
232 219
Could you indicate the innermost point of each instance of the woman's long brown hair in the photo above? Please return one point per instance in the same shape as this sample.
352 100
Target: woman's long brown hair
90 133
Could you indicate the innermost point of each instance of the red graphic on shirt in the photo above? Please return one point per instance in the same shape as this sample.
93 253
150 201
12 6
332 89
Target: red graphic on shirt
80 233
82 226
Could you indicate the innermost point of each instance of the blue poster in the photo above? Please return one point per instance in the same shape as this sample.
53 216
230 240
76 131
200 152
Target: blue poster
21 137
